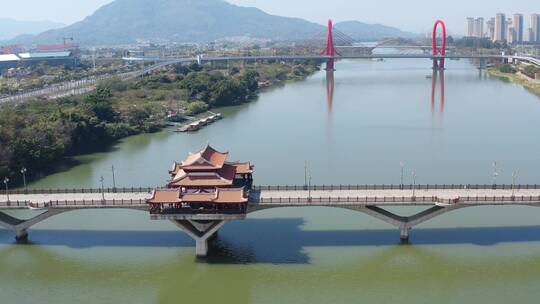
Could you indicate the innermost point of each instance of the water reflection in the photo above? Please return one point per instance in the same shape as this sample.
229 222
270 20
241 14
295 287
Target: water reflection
330 90
438 74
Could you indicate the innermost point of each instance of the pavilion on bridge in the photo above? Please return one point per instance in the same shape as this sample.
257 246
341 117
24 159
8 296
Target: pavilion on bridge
205 183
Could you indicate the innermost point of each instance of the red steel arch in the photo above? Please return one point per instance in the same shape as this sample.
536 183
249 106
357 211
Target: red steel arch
436 50
330 50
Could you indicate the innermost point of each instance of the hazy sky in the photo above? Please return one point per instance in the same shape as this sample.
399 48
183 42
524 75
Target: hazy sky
411 15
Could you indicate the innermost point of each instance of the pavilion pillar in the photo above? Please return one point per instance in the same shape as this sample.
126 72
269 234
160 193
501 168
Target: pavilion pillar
200 232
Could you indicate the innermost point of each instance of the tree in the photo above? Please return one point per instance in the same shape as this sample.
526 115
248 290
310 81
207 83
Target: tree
196 107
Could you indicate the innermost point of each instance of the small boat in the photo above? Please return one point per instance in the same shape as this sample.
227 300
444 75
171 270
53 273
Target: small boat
429 76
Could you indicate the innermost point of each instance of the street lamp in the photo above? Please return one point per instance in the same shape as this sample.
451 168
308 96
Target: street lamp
309 187
23 172
305 175
102 189
113 179
402 165
414 184
495 174
514 176
6 181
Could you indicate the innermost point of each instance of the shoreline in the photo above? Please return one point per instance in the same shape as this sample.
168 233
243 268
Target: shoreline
517 78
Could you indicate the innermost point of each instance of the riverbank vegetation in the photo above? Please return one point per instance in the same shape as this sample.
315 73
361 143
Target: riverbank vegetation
39 133
520 76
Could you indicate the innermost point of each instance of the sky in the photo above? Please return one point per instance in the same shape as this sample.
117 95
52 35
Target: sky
411 15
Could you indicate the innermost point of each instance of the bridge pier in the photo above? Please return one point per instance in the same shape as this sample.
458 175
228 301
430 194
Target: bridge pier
406 223
200 232
20 227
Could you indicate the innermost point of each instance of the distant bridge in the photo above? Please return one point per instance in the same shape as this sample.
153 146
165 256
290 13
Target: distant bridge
368 199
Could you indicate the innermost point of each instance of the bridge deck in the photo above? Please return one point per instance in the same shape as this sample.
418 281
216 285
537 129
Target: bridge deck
269 198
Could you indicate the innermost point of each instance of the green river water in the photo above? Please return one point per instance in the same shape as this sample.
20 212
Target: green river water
381 113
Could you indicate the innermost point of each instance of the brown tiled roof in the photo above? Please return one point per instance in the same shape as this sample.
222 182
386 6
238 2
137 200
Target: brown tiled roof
221 177
227 196
207 158
165 197
243 168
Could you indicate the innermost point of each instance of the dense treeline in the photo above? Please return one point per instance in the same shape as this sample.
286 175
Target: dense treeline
37 133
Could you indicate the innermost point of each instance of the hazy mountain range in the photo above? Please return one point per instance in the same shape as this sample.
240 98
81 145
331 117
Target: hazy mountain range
10 28
129 21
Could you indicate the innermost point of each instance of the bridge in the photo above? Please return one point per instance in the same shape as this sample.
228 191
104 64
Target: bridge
201 225
330 54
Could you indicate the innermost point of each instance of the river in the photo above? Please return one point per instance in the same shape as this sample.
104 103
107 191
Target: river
446 128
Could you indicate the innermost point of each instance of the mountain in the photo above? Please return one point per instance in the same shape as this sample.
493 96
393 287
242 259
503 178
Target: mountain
129 21
12 28
126 21
371 32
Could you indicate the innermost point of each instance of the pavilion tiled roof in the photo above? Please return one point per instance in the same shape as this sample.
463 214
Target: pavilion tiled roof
165 196
207 158
219 178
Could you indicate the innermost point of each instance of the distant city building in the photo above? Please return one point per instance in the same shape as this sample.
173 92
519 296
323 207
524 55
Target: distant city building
479 27
491 28
470 27
500 28
511 36
475 27
535 28
517 24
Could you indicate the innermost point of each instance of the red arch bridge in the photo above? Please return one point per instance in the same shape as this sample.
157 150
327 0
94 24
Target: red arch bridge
332 52
201 226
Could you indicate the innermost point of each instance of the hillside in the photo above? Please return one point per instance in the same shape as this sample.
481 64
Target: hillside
370 32
130 21
12 28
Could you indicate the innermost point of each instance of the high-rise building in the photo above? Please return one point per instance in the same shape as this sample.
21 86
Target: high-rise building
491 28
479 27
530 35
511 36
470 27
500 27
535 27
517 24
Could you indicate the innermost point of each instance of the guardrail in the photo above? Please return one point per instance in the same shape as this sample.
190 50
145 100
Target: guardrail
396 199
80 190
72 203
394 187
293 188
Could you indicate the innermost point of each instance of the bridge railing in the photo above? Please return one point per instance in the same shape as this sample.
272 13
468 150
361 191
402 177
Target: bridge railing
290 188
395 187
395 199
80 190
73 203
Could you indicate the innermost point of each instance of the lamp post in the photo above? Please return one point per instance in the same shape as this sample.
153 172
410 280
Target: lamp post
113 179
402 165
514 176
414 184
309 188
305 175
102 189
495 174
23 172
6 181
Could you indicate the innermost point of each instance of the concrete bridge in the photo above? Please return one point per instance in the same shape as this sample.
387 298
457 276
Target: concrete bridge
201 226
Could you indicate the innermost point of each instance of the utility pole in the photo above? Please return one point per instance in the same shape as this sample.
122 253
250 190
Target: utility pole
305 175
309 188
